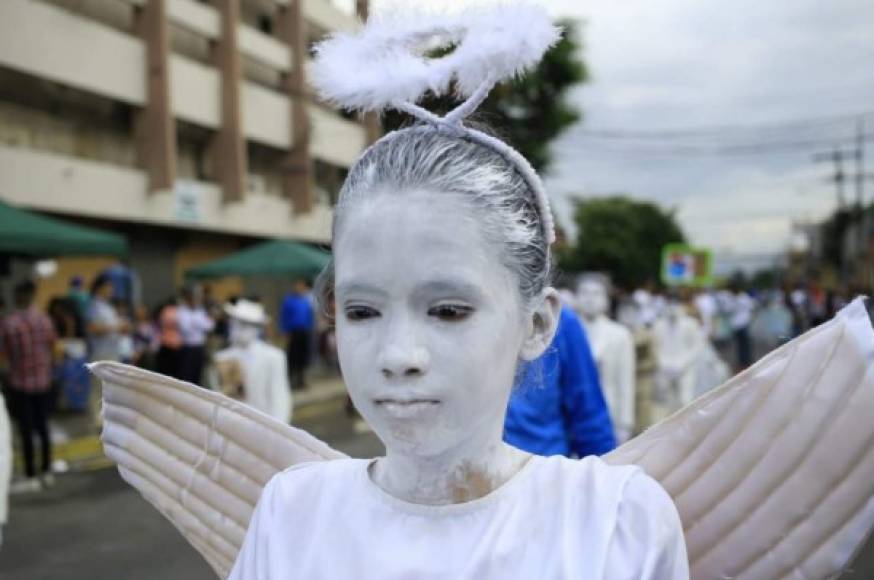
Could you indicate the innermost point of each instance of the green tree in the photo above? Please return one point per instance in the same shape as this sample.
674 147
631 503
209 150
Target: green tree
531 110
622 237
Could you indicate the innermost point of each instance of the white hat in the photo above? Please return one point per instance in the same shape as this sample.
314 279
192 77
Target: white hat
247 311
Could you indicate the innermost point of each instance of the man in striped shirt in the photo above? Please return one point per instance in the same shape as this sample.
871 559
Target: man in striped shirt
28 339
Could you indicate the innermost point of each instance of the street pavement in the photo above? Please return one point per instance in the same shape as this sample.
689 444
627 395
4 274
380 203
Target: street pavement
92 525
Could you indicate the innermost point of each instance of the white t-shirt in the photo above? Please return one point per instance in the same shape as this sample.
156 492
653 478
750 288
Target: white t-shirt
556 518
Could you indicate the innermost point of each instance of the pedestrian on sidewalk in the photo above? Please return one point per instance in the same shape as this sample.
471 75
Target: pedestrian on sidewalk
105 328
169 339
297 322
194 324
28 340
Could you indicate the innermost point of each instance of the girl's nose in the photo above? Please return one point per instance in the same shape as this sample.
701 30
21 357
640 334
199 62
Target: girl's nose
403 355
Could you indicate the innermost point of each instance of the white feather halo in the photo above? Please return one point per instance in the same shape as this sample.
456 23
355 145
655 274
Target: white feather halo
384 63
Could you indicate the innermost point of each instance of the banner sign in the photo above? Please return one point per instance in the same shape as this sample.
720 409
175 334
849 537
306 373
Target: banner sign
684 265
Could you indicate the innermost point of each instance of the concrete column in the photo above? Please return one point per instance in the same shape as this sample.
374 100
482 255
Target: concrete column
297 170
230 146
155 124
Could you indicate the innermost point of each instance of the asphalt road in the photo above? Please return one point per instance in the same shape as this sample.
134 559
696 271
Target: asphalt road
91 525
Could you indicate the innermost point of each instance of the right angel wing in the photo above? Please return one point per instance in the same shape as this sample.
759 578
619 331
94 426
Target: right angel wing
199 457
773 473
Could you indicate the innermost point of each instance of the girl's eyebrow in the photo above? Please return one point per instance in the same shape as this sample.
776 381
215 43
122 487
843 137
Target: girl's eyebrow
451 286
355 287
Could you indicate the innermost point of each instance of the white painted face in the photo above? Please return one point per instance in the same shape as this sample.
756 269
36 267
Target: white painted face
592 298
242 333
429 323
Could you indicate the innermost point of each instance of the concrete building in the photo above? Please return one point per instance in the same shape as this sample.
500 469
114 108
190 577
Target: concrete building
186 124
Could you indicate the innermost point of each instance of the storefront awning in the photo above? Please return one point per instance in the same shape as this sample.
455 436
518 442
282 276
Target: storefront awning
28 233
276 258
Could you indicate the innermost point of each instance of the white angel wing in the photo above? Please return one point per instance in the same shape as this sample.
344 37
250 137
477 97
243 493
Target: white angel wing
199 457
773 473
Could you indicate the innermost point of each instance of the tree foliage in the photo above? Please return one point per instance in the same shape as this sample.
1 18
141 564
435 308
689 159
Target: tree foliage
622 237
529 111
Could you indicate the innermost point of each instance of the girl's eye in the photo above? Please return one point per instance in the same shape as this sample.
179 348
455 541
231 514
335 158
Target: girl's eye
355 313
451 312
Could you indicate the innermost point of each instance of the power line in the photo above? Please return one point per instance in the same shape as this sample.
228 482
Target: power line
793 147
715 130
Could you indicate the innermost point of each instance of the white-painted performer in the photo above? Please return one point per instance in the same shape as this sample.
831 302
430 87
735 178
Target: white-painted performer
441 247
264 372
613 348
678 345
5 464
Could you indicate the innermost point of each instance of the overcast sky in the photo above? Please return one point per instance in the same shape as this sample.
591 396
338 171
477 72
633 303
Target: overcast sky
680 65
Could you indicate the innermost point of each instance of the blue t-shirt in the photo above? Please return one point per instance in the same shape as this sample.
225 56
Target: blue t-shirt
559 408
296 314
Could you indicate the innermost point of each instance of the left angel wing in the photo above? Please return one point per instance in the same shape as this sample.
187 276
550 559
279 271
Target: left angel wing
773 473
199 457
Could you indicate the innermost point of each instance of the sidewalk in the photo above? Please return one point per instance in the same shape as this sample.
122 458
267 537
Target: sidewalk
76 444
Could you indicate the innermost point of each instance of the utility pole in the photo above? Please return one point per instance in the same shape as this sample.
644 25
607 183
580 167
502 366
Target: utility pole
860 163
857 217
837 157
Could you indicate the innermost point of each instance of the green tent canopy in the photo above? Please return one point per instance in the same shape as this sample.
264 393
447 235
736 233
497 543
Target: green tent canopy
31 234
276 258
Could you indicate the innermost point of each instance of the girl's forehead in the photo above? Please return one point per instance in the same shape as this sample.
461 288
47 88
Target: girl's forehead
417 222
412 241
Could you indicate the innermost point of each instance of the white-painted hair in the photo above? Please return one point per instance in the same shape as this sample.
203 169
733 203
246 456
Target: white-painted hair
422 159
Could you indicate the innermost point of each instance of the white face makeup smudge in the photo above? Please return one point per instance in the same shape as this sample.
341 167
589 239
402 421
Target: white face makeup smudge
429 329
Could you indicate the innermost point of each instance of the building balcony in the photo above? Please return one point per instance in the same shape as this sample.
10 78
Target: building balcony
45 41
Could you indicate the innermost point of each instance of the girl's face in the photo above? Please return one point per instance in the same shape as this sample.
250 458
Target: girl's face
429 323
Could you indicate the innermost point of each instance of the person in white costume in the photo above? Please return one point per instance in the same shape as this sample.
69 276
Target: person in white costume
442 248
441 284
678 345
5 464
264 374
613 348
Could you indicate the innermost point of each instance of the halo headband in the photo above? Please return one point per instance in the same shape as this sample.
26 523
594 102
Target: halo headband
385 65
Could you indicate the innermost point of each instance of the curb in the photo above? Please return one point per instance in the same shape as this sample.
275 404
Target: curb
85 453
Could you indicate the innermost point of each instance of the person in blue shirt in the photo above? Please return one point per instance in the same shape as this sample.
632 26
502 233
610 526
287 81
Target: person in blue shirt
558 407
297 322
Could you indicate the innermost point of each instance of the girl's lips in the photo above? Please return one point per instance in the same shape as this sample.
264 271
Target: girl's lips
406 409
405 401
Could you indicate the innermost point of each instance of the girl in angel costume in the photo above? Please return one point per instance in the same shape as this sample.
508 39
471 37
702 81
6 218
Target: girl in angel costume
441 285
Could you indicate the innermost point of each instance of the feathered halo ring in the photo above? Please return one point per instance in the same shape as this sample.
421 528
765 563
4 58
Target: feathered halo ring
386 65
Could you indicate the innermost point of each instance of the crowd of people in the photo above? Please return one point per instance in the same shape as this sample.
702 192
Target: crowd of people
620 361
191 337
652 351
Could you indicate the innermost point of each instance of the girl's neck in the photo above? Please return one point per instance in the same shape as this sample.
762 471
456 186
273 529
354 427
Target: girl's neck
455 476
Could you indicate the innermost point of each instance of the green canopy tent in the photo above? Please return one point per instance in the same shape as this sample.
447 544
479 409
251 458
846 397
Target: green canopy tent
26 233
274 259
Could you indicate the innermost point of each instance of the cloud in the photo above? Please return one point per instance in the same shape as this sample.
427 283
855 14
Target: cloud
686 64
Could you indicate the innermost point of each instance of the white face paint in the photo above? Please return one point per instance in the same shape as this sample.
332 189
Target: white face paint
242 333
592 299
429 325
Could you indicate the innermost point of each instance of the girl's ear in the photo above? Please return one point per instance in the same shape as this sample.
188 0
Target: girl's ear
541 325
